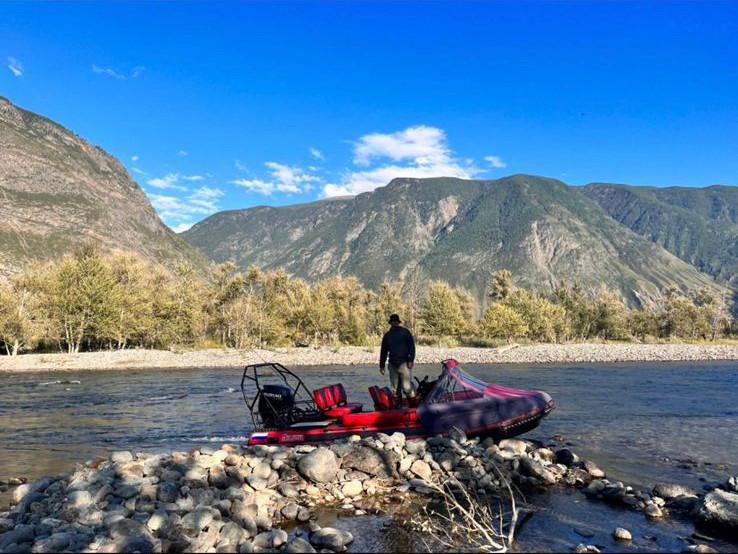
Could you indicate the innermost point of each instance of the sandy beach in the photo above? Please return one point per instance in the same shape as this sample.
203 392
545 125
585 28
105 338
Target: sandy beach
353 355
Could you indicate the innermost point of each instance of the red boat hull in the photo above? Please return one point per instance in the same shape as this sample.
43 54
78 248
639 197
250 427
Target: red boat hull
404 420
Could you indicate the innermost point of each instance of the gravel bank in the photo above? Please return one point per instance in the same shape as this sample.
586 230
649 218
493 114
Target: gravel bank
237 499
353 355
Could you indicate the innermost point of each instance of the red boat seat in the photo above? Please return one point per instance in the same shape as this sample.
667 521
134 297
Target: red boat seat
332 401
383 398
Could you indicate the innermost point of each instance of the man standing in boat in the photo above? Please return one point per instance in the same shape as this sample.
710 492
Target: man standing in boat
398 346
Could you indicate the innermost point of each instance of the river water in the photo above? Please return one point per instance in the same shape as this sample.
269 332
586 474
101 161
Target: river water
641 422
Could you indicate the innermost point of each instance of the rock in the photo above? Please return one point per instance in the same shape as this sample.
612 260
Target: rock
319 466
653 511
515 445
290 511
121 457
669 491
591 468
79 499
369 460
299 545
303 514
279 538
731 485
233 534
352 488
198 520
20 534
422 470
263 522
701 549
20 492
167 492
534 468
415 446
331 538
217 477
719 511
586 549
262 470
622 534
566 457
157 521
288 490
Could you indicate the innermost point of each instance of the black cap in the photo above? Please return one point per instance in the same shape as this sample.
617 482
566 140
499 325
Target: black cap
394 318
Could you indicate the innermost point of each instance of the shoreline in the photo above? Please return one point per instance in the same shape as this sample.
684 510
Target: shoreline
359 355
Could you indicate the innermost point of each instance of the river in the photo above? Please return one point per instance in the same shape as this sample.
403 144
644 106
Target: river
641 422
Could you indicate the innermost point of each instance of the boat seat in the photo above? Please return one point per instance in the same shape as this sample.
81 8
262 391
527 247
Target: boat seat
332 401
383 398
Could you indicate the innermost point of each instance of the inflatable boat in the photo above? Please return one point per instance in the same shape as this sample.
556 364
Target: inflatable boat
284 411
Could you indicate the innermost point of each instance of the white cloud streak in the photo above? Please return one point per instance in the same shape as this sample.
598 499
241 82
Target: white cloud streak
284 178
108 72
180 211
171 181
15 67
317 154
495 161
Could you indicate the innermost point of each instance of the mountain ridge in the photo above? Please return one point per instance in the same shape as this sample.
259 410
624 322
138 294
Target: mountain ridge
460 230
60 192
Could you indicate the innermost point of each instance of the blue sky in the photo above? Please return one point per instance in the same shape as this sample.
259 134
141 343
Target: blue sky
227 105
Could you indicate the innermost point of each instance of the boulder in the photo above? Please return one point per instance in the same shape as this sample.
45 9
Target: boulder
319 466
352 488
669 491
515 445
331 538
372 461
719 512
422 470
121 457
566 457
299 545
534 468
622 534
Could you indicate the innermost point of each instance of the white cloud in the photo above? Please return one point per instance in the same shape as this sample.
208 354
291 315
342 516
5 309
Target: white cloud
139 171
495 161
200 202
167 182
317 154
240 166
15 67
171 181
284 178
424 151
422 144
182 227
183 153
134 158
134 74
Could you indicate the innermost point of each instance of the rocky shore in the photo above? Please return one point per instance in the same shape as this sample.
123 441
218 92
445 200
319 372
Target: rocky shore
355 355
264 498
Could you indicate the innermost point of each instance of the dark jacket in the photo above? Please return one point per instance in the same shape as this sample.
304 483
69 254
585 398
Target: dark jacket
399 344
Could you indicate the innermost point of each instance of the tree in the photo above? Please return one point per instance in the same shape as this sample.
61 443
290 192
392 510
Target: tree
441 314
546 321
500 285
83 299
17 325
386 301
502 322
610 316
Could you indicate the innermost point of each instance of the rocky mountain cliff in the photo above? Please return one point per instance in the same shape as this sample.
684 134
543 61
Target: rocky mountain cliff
699 225
458 230
58 191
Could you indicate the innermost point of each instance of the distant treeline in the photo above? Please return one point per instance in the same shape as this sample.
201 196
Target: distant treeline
94 301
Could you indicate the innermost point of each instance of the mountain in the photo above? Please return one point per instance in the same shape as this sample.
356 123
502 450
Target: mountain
458 230
699 225
58 191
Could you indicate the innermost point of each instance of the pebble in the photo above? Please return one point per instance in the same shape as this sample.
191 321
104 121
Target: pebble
622 534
